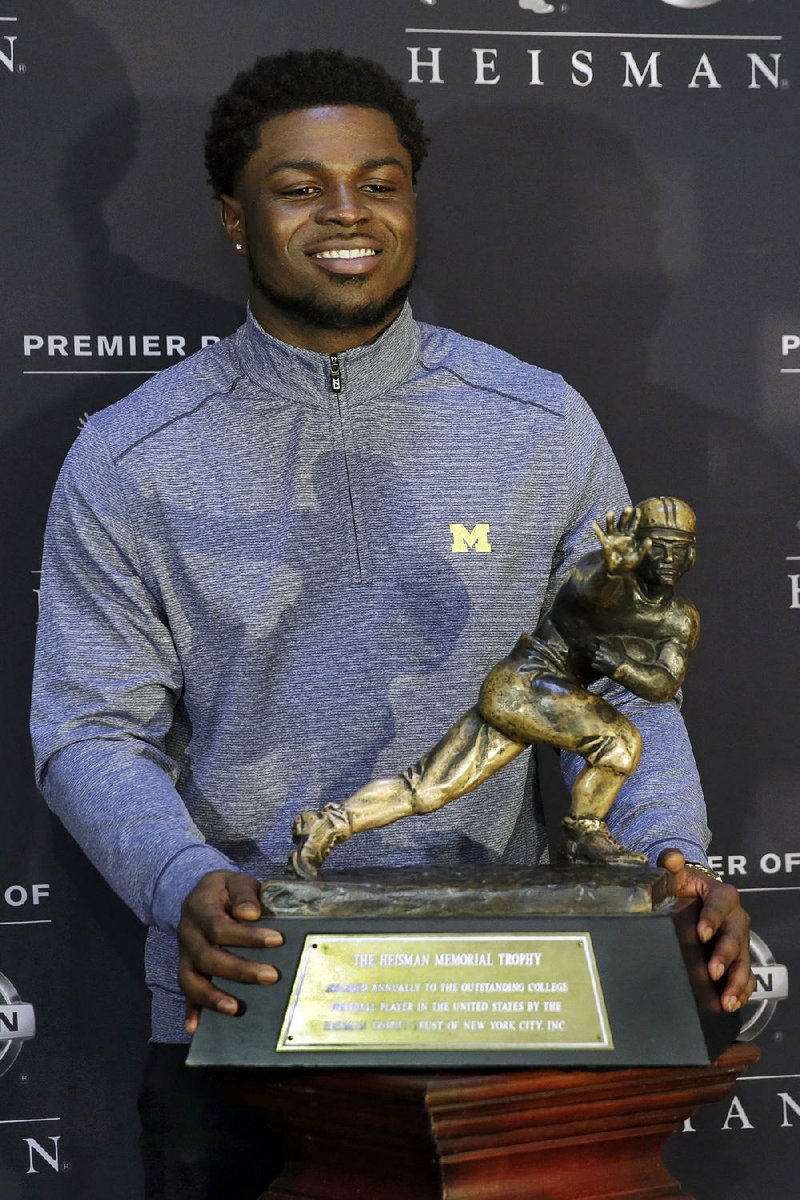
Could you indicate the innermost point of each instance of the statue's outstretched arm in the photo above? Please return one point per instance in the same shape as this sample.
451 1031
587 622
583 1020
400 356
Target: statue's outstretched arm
598 580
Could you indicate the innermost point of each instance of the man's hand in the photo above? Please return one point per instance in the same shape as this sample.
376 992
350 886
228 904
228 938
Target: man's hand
721 917
210 919
621 548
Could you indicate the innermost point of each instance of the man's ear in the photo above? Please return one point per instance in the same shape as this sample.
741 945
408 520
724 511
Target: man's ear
232 216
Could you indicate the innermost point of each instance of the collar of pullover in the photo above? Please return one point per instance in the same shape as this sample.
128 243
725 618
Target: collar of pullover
364 372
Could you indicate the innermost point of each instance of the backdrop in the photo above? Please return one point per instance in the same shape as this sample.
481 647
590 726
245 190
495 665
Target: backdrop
611 193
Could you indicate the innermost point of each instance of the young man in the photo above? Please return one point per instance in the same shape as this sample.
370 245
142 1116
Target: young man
270 570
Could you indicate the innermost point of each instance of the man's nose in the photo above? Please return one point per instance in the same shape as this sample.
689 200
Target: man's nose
344 205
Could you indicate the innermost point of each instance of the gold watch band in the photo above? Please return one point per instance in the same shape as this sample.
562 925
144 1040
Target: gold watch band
704 869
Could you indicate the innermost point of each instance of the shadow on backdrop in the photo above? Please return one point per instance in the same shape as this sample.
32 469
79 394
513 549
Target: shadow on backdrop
558 261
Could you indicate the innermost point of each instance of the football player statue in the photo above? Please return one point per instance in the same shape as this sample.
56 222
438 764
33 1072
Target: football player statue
616 616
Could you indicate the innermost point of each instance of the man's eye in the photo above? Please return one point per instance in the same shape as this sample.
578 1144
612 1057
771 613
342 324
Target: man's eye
302 191
378 187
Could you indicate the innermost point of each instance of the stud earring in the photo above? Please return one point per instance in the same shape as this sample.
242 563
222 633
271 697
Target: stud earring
239 247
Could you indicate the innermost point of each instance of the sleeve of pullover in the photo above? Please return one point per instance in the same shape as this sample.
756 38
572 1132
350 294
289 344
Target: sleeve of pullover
106 682
662 803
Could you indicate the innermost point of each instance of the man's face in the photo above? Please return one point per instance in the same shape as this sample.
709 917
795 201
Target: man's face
325 209
670 556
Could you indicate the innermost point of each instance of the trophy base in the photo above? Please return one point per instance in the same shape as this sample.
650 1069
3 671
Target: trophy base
555 966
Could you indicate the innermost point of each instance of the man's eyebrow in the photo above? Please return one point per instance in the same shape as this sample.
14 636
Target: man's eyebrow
372 164
309 164
295 164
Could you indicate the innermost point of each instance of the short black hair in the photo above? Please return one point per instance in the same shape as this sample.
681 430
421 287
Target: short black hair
283 83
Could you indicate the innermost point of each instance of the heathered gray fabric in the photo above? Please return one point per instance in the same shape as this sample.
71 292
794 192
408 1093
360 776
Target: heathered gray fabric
250 606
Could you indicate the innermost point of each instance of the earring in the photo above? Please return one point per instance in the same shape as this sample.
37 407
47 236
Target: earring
239 247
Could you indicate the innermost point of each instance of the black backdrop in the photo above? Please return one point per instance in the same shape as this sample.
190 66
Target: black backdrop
610 193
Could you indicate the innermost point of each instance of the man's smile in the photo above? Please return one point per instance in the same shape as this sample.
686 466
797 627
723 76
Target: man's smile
359 259
360 252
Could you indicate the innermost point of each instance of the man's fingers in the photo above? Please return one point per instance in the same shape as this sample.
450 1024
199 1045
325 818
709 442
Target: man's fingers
731 954
194 977
207 954
673 861
723 918
222 930
214 960
611 524
208 911
245 896
213 917
728 949
192 1017
740 984
719 903
202 993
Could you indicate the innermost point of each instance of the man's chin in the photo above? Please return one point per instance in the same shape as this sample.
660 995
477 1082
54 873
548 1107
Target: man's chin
345 309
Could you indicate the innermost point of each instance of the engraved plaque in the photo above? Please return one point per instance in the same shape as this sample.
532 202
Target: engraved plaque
403 991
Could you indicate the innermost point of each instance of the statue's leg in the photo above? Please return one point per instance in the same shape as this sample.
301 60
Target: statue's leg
559 712
470 752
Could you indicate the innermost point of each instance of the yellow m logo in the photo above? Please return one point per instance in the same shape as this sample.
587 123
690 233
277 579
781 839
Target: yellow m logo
476 539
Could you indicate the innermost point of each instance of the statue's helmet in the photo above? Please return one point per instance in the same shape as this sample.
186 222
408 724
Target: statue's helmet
667 514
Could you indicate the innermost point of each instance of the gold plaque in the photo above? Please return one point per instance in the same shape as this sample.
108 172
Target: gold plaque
397 991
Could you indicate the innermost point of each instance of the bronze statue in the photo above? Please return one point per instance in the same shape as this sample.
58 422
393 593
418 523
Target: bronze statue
617 615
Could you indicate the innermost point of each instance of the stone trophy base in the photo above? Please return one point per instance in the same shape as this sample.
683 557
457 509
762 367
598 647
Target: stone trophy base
473 1135
409 969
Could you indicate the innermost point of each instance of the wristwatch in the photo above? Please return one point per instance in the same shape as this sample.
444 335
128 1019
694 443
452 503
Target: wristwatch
704 869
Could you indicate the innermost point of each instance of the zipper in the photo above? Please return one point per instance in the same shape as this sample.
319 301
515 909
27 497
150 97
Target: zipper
336 374
337 386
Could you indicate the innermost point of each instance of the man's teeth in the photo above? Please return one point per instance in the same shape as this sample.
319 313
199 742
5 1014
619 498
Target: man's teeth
358 252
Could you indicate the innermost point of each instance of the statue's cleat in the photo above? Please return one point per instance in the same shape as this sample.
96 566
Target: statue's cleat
589 840
315 834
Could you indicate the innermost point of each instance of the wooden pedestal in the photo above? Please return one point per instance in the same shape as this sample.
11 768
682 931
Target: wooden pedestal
466 1135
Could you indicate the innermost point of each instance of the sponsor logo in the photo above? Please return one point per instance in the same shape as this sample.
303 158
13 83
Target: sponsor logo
772 985
727 63
753 71
691 3
794 584
543 6
790 353
39 1155
476 539
17 1024
105 347
770 863
9 59
16 895
737 1117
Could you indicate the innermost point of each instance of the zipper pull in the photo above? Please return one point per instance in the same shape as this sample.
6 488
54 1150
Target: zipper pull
336 374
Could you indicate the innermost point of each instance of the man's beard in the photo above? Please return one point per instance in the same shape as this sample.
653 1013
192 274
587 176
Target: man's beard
323 314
